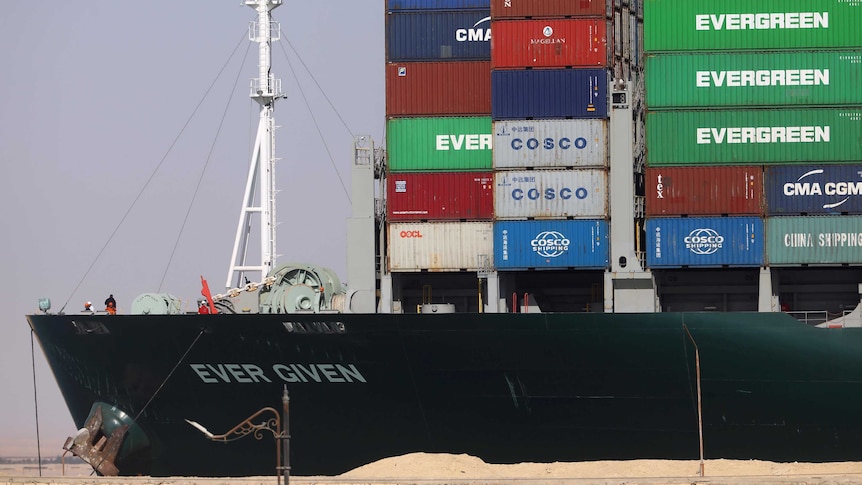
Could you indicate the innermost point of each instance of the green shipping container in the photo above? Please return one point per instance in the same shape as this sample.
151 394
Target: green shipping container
754 137
754 79
720 25
814 240
439 144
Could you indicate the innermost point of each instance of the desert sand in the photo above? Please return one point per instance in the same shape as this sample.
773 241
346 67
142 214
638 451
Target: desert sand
424 468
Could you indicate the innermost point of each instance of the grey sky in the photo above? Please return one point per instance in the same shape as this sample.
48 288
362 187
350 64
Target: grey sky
94 94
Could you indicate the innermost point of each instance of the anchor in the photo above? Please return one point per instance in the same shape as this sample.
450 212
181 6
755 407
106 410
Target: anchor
96 448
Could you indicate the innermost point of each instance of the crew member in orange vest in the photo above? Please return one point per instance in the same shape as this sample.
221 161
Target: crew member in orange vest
111 305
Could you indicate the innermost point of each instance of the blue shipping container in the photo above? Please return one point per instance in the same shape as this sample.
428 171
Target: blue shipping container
813 189
392 5
704 242
436 35
549 93
551 244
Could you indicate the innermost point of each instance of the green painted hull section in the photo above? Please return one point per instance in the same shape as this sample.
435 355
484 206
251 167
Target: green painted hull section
672 25
506 388
814 240
439 144
742 137
754 79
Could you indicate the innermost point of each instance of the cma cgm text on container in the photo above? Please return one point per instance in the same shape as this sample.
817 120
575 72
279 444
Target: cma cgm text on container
684 25
551 244
440 196
704 242
581 194
513 9
688 191
814 240
550 143
439 144
438 35
695 80
761 136
813 189
435 88
549 43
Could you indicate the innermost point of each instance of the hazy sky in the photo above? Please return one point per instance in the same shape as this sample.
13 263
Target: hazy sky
93 95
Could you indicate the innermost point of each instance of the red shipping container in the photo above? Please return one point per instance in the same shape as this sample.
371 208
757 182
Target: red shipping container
501 9
438 88
440 196
549 43
680 191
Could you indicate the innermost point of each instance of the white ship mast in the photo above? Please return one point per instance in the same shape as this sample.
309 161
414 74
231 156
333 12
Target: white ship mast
265 89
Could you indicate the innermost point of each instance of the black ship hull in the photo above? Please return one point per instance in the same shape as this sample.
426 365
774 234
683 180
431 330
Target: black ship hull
506 388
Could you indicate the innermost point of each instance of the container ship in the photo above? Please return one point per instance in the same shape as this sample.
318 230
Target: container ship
610 230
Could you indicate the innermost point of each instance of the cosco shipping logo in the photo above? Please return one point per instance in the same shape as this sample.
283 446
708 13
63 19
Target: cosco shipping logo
550 244
704 241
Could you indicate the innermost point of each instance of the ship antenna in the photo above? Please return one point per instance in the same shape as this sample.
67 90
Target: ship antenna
265 89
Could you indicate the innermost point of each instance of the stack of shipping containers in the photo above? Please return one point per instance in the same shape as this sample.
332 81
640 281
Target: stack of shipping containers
549 80
439 193
753 150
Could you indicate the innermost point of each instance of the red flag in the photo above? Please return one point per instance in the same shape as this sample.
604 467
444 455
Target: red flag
205 291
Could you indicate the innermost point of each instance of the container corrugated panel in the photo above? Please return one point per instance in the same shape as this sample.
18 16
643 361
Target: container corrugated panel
445 144
440 196
813 189
438 35
550 143
760 136
549 93
683 191
438 88
549 43
394 5
581 194
683 25
440 246
704 242
814 240
551 244
513 9
751 79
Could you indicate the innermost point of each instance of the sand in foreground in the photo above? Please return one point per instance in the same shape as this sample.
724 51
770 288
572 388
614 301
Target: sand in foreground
424 467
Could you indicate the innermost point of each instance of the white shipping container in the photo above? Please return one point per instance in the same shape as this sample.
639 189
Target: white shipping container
440 246
581 194
520 144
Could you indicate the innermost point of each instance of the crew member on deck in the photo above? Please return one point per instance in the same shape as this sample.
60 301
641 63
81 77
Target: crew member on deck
111 305
203 308
88 307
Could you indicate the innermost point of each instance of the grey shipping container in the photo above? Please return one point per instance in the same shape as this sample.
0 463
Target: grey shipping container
818 240
581 194
550 143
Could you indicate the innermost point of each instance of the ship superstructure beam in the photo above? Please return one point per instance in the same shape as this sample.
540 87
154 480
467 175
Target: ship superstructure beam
259 198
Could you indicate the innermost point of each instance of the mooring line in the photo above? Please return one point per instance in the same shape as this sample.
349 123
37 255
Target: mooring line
36 402
171 373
